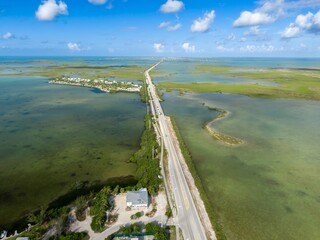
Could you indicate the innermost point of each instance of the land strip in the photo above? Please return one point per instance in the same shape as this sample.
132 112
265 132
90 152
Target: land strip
101 84
187 217
221 137
283 83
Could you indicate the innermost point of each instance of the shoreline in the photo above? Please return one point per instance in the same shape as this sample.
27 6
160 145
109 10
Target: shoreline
102 85
222 138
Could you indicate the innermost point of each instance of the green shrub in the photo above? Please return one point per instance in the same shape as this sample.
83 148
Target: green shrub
81 204
74 236
98 223
147 160
136 215
168 211
159 232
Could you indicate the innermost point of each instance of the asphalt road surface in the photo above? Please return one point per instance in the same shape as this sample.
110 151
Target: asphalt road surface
187 217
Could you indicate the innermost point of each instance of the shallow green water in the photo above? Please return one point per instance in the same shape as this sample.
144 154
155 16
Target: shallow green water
268 188
53 137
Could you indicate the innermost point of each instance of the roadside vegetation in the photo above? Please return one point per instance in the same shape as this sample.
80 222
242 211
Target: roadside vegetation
137 229
147 160
144 92
285 83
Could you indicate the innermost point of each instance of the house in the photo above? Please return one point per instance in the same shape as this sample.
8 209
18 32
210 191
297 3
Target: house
138 199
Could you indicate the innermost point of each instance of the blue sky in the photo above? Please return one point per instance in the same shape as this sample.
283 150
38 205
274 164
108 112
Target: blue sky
202 28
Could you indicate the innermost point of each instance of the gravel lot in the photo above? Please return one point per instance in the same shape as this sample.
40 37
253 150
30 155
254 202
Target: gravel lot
124 217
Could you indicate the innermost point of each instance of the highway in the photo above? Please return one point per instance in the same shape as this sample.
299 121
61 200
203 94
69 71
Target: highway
186 217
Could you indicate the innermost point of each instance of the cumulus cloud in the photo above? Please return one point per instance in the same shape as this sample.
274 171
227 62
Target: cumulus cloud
7 36
158 47
309 22
49 9
164 24
98 2
172 6
174 27
260 48
268 12
222 48
291 31
271 10
253 31
203 24
304 21
74 46
252 18
188 48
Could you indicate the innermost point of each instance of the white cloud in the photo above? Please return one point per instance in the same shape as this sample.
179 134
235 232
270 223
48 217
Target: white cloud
304 21
98 2
231 37
174 28
8 35
222 48
260 48
49 9
302 4
203 24
276 7
309 22
252 19
169 27
74 46
172 6
291 31
316 21
271 10
188 48
253 31
164 24
158 47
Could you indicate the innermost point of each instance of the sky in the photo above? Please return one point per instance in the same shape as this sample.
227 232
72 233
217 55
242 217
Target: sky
169 28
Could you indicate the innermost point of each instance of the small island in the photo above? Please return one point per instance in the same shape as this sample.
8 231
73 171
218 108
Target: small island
223 138
101 84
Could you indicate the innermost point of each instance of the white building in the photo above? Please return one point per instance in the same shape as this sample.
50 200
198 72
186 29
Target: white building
138 199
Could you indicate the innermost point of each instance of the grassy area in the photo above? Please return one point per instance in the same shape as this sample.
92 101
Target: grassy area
289 83
173 233
187 155
131 72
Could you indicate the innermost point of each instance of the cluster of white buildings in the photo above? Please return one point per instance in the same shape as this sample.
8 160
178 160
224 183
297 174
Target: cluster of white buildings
104 85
